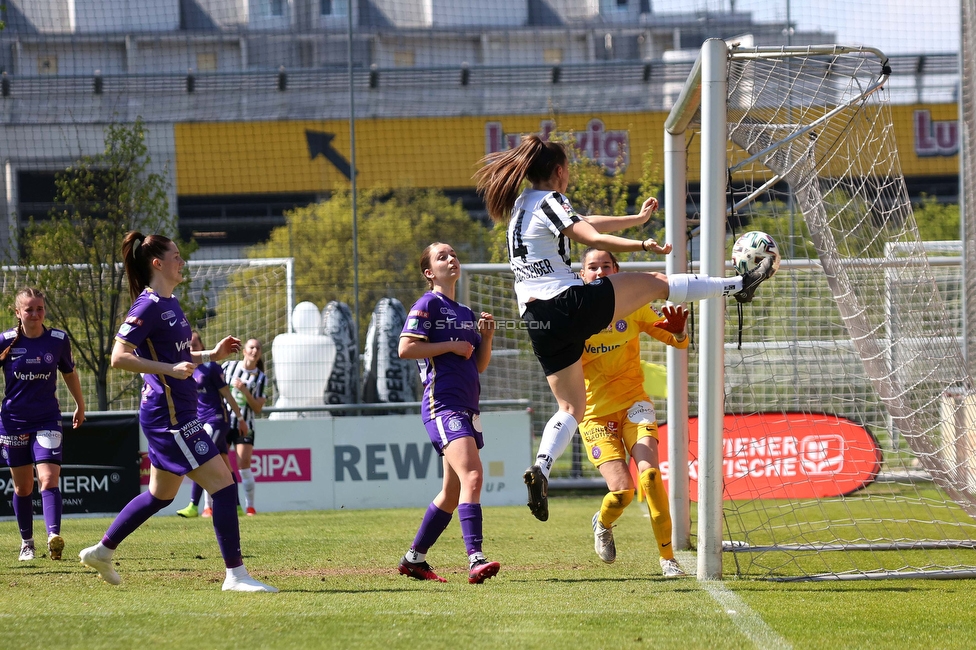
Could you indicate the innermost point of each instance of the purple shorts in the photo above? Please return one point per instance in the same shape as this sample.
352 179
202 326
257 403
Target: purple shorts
43 445
218 433
180 450
452 425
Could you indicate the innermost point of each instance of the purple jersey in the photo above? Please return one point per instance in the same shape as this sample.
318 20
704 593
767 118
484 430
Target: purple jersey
156 329
451 382
209 378
31 374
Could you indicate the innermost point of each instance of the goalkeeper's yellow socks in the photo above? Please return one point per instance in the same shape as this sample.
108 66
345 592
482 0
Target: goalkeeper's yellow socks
657 505
613 506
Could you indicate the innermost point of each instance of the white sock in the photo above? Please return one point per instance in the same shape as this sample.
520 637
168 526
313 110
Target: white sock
688 287
556 435
247 480
104 552
207 501
477 556
239 572
415 557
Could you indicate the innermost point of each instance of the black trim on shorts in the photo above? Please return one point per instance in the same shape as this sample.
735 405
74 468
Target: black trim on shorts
558 327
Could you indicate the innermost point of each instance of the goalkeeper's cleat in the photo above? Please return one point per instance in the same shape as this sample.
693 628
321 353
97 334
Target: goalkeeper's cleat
603 542
26 551
418 570
538 486
94 557
189 512
55 546
671 569
753 278
481 569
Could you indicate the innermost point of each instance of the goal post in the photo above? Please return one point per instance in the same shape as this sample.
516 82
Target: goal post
806 132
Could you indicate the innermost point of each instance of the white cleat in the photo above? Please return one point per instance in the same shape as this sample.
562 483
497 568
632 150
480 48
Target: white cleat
91 557
26 551
247 583
671 569
603 542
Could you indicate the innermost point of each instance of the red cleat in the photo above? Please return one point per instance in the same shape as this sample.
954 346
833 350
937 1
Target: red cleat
419 570
251 512
482 570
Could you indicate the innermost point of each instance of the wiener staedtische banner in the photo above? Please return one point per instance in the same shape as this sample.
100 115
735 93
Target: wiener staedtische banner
100 468
786 456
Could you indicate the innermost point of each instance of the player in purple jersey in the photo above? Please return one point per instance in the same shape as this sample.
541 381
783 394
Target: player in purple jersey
212 393
451 346
30 420
154 340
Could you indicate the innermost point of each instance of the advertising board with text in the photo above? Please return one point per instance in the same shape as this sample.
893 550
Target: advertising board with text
786 456
371 462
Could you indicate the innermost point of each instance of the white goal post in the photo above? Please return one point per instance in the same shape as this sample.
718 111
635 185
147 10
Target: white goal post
816 119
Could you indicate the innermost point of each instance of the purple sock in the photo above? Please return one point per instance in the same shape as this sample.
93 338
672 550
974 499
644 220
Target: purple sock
52 510
134 514
196 492
24 509
434 523
469 514
226 526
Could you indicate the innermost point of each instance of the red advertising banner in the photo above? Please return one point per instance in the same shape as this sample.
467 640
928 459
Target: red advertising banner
786 456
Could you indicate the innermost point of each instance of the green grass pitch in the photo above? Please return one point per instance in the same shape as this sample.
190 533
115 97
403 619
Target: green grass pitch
340 589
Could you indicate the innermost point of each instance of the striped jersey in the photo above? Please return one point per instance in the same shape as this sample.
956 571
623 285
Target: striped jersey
253 379
538 252
611 362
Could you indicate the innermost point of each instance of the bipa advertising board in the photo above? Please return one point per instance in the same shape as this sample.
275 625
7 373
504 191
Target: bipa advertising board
370 462
786 456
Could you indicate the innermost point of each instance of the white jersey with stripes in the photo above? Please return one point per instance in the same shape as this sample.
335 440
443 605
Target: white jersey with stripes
254 380
538 252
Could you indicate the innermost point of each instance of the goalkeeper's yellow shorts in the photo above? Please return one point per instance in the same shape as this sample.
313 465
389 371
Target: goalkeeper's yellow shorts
612 436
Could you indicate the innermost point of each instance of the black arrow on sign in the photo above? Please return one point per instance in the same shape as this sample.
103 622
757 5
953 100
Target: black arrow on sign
320 144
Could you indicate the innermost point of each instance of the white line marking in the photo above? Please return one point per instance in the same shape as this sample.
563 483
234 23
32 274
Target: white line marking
748 621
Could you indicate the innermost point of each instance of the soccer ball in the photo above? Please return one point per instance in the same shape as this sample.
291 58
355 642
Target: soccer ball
752 248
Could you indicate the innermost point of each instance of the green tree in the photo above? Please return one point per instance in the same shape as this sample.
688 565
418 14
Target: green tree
937 221
75 255
393 228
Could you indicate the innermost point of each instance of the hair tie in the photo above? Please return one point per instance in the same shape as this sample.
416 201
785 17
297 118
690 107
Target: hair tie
136 245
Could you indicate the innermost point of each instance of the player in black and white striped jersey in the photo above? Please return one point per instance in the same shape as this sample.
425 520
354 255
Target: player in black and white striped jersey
247 381
559 311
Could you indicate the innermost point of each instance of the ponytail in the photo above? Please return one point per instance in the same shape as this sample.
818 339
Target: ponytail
138 252
500 179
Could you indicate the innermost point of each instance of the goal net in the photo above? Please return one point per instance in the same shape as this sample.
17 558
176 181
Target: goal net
852 449
243 298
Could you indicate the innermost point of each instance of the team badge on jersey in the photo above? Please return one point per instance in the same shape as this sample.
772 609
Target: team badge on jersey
455 424
621 325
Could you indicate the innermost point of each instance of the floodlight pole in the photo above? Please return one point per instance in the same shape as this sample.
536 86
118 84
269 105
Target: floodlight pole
711 398
355 220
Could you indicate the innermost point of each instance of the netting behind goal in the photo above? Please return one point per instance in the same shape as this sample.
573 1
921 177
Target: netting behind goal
243 298
812 151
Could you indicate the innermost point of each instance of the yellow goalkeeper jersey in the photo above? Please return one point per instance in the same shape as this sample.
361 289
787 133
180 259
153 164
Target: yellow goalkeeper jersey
611 362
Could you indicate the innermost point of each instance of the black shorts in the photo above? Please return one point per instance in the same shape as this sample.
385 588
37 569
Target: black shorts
558 327
234 437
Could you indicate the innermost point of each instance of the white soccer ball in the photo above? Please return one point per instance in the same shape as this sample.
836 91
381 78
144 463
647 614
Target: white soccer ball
752 248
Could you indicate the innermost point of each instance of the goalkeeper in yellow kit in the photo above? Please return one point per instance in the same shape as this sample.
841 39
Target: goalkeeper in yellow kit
620 419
